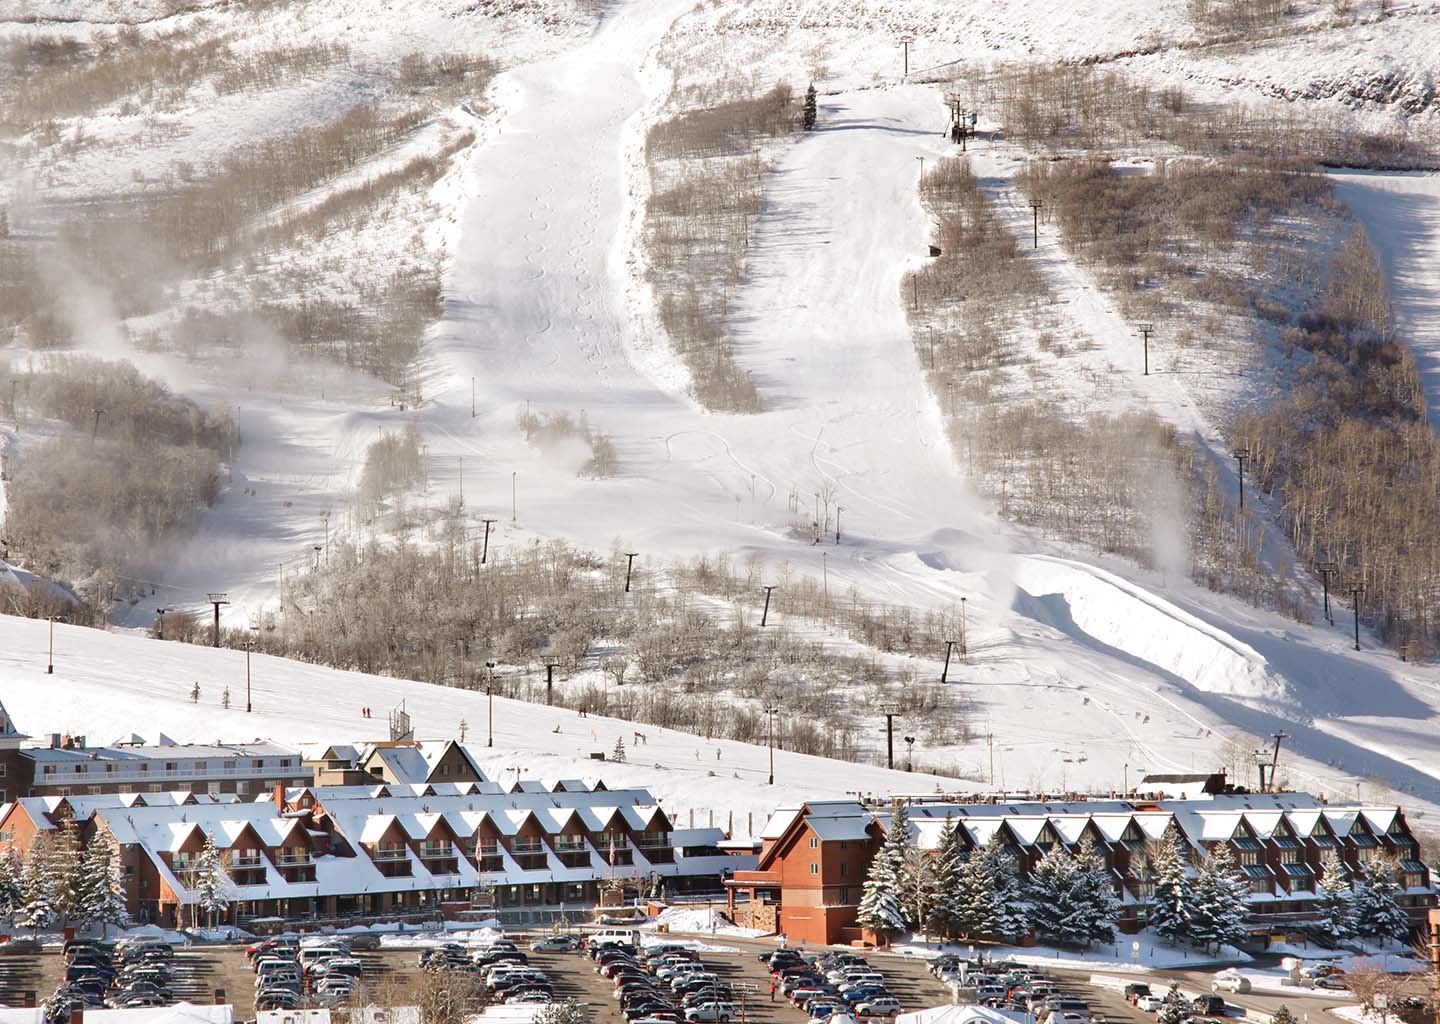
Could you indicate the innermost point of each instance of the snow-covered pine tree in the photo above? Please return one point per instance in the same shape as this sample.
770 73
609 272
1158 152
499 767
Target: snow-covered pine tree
1174 1008
1220 901
974 899
67 856
949 863
881 909
1098 901
195 693
1008 891
37 886
1282 1016
812 109
102 891
1337 910
618 754
1056 895
1170 906
211 885
1378 914
11 871
225 698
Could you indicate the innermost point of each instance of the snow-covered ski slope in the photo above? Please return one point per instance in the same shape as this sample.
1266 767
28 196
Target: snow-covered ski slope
1083 668
107 686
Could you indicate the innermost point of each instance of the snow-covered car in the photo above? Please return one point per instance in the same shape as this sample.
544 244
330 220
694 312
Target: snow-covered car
1230 981
1148 1003
710 1012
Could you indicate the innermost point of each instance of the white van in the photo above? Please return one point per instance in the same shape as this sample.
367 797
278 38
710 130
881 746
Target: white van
606 936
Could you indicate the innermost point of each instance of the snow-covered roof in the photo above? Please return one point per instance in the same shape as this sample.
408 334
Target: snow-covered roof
779 821
155 752
405 763
831 829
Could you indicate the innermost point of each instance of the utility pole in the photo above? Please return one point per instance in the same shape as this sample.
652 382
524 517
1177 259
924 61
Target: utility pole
1035 205
770 715
1145 331
160 614
764 615
217 600
629 567
317 550
1241 454
949 646
1355 592
922 169
1326 570
485 544
249 645
472 398
50 661
490 705
890 713
909 753
550 684
325 518
95 428
514 495
838 510
1275 758
905 42
964 644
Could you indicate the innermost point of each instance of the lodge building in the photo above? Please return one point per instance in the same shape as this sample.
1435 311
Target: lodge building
814 857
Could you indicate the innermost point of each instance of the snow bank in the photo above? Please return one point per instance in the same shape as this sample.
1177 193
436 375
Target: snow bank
700 920
1132 954
1099 608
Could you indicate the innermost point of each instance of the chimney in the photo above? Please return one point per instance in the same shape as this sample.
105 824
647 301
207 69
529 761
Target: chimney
219 997
279 797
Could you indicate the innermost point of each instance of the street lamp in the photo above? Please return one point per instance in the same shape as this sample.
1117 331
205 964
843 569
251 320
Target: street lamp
160 614
50 663
771 714
909 753
490 705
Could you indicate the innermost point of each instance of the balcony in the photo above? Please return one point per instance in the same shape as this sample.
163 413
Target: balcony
439 858
300 858
490 862
573 857
392 859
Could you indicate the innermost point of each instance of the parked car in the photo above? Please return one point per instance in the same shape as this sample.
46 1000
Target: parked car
1230 981
1149 1003
1335 982
881 1006
711 1013
556 944
1210 1005
1135 990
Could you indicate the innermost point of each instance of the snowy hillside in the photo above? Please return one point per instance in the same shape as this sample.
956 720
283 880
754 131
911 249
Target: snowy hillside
1083 669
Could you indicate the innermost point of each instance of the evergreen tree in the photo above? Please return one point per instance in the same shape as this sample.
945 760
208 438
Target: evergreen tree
1378 914
1096 897
1003 892
12 869
1221 899
67 857
618 754
1056 895
37 887
1170 906
949 871
881 909
812 110
102 890
1282 1016
1337 911
210 883
225 698
1174 1008
195 693
920 896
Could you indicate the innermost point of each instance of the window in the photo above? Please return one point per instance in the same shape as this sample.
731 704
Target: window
844 869
844 845
171 766
242 787
213 787
814 869
97 789
1289 856
814 842
7 836
3 769
1249 857
199 766
49 769
284 762
81 769
258 763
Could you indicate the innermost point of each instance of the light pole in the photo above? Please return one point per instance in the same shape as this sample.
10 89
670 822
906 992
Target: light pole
1035 205
490 705
1241 454
1326 570
905 42
1145 330
838 510
944 672
1355 593
909 753
922 169
890 712
249 646
50 662
771 714
160 614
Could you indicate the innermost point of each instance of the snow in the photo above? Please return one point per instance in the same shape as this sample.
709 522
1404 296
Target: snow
700 921
102 678
1132 670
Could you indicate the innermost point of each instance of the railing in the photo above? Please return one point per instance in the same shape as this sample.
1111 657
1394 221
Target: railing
436 851
300 860
654 843
386 853
159 774
523 847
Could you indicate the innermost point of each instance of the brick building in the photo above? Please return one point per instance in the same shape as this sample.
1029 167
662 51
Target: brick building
70 767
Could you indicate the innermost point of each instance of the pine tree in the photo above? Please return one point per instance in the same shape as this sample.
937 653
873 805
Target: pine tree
977 891
12 869
1004 892
618 754
195 693
1170 906
1221 899
1282 1016
1096 894
37 887
67 857
210 883
1055 899
812 110
949 872
881 910
1174 1008
102 891
1378 914
225 698
1337 910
